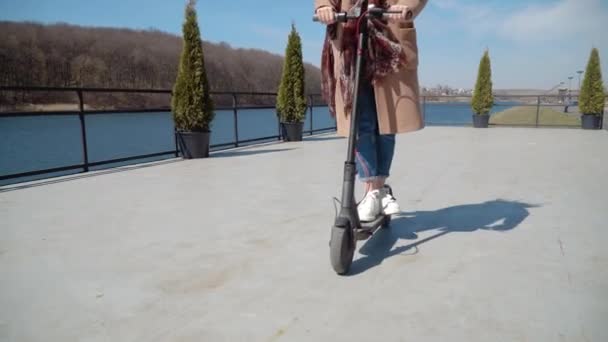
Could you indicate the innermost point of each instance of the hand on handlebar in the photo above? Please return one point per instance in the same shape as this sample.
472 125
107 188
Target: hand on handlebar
326 15
404 13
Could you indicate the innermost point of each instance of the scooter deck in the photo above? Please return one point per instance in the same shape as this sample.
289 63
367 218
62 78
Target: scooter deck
368 228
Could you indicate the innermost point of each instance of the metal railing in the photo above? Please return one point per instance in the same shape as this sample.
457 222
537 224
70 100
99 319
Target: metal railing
82 113
530 108
540 111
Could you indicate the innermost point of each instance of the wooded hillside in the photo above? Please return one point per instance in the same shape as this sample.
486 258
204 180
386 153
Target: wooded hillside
64 55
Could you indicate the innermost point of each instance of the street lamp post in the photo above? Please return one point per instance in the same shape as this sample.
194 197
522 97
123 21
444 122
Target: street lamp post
580 72
569 99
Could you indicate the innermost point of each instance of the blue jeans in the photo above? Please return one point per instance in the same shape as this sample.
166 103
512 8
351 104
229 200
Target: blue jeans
374 152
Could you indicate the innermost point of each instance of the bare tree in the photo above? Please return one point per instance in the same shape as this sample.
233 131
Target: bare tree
67 55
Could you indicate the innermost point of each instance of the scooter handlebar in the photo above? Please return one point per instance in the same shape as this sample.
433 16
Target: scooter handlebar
344 16
339 17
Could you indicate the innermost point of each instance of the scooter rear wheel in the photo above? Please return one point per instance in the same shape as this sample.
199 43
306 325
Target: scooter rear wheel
341 249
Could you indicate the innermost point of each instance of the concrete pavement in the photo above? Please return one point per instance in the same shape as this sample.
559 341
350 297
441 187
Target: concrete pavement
503 238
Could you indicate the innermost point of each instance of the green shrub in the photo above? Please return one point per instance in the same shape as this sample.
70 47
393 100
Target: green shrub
592 96
191 103
291 101
483 100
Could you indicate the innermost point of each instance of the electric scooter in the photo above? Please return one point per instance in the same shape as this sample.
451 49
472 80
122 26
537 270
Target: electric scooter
347 228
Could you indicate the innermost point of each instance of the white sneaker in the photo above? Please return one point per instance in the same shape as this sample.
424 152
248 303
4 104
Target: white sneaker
370 207
388 202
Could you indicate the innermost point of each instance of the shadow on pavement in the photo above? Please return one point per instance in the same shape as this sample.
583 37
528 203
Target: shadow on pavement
497 215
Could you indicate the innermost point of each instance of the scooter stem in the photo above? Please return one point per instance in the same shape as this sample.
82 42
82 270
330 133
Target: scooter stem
348 188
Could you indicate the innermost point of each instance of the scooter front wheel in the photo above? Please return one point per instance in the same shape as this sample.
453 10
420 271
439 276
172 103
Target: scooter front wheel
341 249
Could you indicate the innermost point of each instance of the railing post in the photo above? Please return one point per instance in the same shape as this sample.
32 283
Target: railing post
278 126
424 109
236 120
175 134
537 110
83 130
176 143
311 105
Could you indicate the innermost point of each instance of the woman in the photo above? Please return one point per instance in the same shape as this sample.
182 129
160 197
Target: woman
390 93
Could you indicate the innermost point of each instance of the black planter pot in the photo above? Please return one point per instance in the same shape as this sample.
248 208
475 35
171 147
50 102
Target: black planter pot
481 121
292 131
194 144
590 121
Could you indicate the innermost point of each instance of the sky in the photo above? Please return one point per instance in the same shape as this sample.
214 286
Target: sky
533 44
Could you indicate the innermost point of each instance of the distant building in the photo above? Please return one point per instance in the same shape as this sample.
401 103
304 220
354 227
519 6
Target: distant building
562 95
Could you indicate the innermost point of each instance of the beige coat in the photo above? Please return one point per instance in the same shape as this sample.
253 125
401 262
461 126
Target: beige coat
397 96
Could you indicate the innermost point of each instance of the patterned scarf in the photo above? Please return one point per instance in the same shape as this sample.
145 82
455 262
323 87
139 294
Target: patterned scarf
384 55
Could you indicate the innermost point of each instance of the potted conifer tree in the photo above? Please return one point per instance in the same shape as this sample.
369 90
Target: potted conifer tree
191 103
483 100
592 96
291 101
